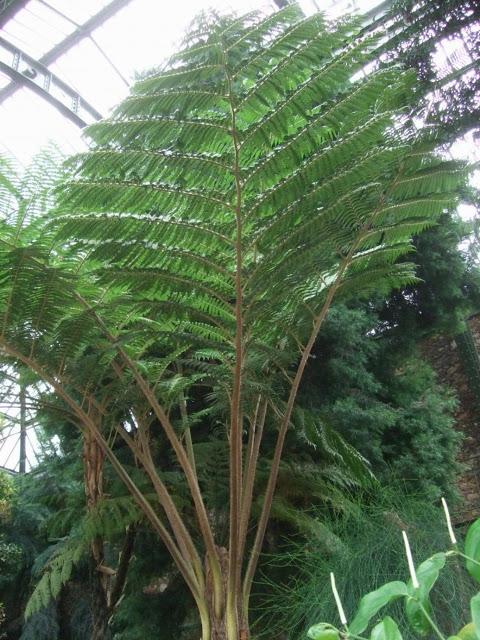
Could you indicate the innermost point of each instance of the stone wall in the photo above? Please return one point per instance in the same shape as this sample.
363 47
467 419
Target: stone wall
448 360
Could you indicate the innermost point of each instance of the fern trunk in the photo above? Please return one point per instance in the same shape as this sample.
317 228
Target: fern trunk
99 605
217 629
231 621
225 627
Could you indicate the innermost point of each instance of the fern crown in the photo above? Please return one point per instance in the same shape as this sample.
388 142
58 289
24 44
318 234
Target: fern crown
253 173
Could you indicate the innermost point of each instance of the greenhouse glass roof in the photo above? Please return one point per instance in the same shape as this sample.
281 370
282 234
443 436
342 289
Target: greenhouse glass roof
64 64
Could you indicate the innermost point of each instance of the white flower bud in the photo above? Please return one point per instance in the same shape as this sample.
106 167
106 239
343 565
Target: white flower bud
338 602
449 522
411 566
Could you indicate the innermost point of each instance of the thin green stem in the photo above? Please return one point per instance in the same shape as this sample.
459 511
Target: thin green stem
459 553
431 622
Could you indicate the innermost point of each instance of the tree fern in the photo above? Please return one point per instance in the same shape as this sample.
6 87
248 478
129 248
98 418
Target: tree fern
323 167
220 209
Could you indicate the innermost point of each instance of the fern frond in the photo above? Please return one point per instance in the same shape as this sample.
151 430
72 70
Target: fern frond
55 574
261 110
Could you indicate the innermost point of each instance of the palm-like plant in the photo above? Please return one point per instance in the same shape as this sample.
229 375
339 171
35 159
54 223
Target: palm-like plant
197 248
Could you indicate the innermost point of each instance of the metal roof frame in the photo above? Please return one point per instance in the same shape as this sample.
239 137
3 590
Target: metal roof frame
40 66
8 9
47 85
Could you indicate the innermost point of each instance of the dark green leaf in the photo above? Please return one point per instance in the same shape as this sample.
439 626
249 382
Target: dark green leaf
475 612
387 629
427 574
371 603
472 550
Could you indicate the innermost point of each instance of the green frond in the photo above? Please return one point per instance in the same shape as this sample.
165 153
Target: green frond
56 573
110 517
328 442
196 135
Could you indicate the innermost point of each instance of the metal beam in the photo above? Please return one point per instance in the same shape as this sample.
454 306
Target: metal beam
10 472
83 31
8 9
22 461
25 70
378 11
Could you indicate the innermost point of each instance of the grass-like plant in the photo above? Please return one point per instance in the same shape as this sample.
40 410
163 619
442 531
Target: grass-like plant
363 546
415 596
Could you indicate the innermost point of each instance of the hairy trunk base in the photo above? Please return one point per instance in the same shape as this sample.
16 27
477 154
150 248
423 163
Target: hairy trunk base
99 606
218 628
218 631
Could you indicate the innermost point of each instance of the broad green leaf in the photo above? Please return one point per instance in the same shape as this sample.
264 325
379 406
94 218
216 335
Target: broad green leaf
467 632
387 629
472 550
475 611
323 631
371 603
427 574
